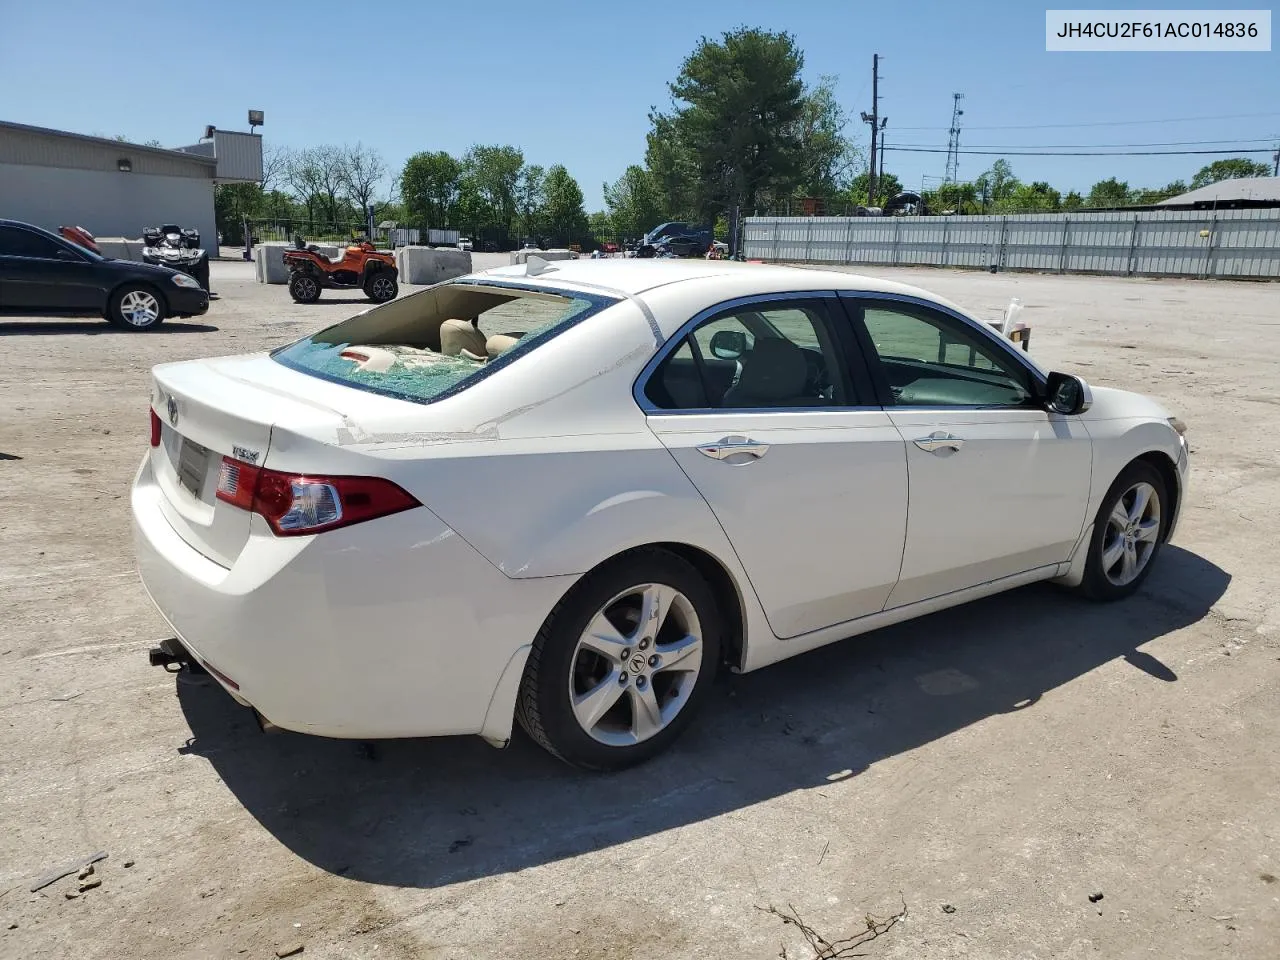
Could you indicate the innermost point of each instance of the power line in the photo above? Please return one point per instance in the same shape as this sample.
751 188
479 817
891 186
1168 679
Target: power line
1077 153
1107 123
1089 146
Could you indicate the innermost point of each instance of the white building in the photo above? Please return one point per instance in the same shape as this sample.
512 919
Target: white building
53 178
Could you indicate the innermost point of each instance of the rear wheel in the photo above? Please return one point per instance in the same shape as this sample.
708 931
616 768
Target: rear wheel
201 273
623 662
1127 534
135 307
381 287
304 288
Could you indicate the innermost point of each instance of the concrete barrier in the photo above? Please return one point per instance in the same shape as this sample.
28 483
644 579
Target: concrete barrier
522 256
119 248
424 265
268 262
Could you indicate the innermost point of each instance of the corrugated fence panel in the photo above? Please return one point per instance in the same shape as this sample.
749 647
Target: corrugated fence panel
1229 243
1098 243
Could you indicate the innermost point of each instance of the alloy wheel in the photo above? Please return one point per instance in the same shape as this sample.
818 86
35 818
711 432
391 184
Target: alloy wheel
382 289
636 665
1132 533
139 308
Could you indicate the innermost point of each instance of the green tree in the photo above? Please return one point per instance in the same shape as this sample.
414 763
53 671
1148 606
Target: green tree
634 202
828 157
1109 193
1156 194
738 104
887 184
957 197
429 188
1033 197
996 187
562 211
601 226
493 175
673 170
530 197
1229 169
1072 201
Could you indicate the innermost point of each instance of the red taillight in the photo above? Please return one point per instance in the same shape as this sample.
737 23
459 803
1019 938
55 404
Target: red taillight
155 428
296 504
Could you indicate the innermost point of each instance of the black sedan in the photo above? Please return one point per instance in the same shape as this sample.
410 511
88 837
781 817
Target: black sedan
42 274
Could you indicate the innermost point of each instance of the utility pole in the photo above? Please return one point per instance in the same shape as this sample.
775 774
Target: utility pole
873 118
953 140
884 122
1275 171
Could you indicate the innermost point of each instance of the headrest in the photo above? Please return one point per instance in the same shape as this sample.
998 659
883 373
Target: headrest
775 369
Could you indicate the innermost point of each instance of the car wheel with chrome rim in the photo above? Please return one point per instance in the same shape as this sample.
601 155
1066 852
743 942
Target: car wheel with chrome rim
623 662
136 307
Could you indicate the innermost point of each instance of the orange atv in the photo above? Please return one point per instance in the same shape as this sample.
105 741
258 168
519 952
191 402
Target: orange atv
362 267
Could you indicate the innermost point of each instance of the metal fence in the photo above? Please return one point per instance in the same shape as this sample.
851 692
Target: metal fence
1182 243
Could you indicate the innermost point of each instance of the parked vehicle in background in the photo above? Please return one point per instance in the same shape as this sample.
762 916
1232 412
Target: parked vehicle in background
80 237
698 464
176 247
464 243
41 274
691 244
670 228
442 238
362 267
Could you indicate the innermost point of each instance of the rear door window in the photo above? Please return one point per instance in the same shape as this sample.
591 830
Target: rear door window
432 344
16 242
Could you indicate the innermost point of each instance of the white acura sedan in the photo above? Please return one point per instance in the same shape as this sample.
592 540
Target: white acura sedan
568 493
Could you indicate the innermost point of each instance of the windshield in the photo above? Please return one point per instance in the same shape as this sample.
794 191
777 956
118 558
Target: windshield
436 342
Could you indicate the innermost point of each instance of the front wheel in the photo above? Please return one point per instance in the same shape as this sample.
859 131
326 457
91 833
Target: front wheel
304 288
381 287
1127 533
623 663
136 307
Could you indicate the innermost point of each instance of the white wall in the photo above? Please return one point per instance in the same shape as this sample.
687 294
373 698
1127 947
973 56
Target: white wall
107 204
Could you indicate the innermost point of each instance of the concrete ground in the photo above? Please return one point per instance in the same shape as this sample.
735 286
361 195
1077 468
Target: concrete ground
995 767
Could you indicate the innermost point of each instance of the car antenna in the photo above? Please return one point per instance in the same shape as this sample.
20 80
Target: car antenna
535 266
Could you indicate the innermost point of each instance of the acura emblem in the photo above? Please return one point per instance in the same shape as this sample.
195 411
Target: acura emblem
173 411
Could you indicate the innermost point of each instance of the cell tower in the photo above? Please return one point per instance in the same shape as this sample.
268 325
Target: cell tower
953 141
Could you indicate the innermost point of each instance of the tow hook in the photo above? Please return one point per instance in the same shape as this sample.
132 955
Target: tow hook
172 653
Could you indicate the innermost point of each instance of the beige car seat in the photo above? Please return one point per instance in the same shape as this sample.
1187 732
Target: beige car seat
459 335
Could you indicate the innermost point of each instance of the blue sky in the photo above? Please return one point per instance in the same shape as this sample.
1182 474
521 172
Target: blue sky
573 82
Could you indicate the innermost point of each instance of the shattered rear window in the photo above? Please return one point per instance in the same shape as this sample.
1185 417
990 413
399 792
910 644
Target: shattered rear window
395 349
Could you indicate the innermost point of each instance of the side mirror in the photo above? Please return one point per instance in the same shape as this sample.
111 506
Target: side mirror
728 344
1067 394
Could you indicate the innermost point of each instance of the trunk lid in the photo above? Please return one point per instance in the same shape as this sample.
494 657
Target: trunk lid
209 409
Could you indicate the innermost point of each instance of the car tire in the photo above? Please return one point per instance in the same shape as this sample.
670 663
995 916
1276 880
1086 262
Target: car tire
1128 533
381 287
304 288
602 689
136 307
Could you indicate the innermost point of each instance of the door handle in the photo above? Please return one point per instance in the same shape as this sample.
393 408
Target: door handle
938 441
727 447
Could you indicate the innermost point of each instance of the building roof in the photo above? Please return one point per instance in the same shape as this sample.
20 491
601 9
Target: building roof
41 146
1255 189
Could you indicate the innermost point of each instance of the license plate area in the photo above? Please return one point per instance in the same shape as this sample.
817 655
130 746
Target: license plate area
193 464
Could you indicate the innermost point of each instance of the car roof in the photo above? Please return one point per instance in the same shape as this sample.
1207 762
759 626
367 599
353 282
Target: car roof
633 276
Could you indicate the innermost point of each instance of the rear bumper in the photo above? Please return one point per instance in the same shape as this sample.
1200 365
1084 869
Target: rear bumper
391 628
